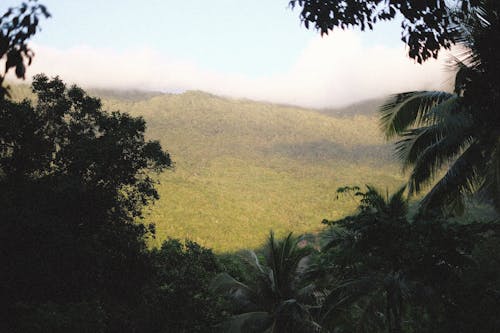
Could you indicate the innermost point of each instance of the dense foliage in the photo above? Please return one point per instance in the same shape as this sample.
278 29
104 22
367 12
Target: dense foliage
459 131
74 180
178 298
17 26
388 273
277 298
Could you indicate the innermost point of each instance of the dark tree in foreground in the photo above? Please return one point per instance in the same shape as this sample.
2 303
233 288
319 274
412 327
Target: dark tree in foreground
178 299
17 26
385 273
277 299
73 181
457 132
427 26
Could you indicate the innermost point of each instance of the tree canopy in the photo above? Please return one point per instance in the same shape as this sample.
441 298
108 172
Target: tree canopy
427 25
17 26
73 181
385 273
457 132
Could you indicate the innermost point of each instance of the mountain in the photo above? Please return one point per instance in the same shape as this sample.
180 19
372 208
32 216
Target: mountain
243 167
365 108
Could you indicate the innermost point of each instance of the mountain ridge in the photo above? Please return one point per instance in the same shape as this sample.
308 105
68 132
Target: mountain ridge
243 167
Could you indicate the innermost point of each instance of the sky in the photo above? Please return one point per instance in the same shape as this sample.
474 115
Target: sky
254 49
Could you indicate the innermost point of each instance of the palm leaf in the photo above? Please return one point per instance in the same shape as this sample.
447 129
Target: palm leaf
442 119
250 257
346 293
432 159
461 178
405 110
225 283
490 189
398 204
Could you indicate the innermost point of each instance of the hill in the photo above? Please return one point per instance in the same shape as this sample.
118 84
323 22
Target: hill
243 167
365 108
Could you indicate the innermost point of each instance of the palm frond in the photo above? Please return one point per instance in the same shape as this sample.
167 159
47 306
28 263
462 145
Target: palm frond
462 178
398 204
370 317
225 283
346 293
251 258
437 153
283 258
490 189
373 199
292 316
405 110
443 120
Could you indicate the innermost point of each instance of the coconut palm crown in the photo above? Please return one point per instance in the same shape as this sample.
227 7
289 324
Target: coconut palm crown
456 132
276 301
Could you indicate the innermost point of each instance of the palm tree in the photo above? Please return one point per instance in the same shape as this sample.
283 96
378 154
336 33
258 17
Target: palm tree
458 132
277 301
363 263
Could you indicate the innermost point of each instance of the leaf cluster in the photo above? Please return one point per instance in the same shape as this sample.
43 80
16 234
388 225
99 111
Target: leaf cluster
427 26
73 179
385 272
17 26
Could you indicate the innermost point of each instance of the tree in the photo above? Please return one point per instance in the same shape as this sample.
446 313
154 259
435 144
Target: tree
428 25
457 131
178 298
73 181
17 26
276 301
387 274
366 255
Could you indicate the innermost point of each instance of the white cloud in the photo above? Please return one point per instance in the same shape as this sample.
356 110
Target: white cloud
331 71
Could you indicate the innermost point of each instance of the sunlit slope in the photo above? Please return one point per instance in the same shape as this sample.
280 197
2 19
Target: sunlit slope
243 168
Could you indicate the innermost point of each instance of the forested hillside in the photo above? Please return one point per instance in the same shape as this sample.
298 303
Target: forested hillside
127 211
243 168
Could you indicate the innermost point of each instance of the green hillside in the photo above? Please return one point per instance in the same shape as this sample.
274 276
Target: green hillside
243 168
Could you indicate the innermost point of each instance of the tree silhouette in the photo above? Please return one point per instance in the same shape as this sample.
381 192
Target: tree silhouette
17 26
276 301
368 252
73 181
179 299
457 131
385 273
428 25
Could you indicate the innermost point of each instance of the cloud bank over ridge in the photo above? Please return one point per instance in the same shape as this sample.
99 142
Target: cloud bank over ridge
331 71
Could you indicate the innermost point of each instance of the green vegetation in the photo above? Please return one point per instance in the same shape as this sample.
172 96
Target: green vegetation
76 181
276 298
17 26
456 131
243 168
384 272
